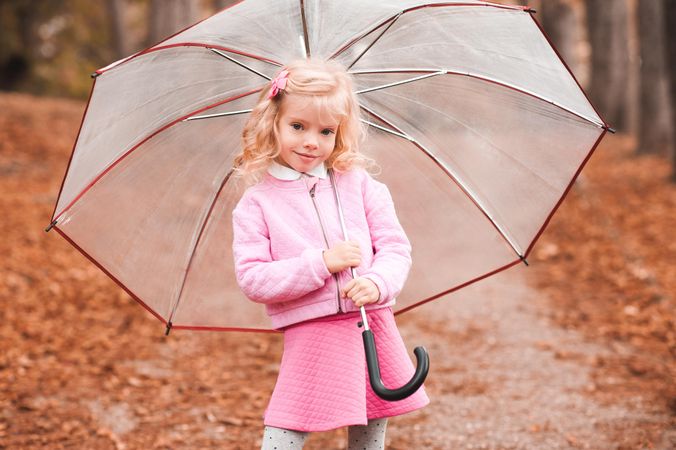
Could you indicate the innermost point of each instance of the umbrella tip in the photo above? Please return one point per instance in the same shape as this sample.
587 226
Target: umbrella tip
166 333
95 74
51 225
524 260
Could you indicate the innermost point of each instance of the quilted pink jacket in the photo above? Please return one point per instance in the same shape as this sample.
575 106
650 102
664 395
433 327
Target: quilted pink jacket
281 227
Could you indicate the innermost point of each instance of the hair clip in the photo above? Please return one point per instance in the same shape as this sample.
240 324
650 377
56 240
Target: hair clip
278 84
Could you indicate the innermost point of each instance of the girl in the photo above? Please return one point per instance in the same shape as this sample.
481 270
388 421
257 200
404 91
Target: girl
300 143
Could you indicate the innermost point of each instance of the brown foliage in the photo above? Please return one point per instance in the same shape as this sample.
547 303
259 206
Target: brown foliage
82 363
608 266
84 366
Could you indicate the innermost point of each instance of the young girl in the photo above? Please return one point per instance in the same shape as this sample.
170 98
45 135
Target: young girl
300 143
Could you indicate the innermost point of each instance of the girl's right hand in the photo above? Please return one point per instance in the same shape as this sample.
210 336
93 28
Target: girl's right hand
342 255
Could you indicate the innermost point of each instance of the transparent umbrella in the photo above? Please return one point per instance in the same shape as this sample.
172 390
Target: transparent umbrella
477 123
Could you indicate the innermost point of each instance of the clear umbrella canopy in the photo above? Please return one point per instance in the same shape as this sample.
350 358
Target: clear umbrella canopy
478 125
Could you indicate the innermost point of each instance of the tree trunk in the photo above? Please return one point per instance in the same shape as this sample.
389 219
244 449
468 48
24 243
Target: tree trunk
560 23
18 43
670 53
607 31
116 14
222 4
653 131
170 16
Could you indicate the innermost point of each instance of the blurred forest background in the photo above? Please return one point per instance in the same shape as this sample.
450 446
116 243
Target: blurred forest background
82 366
49 47
623 52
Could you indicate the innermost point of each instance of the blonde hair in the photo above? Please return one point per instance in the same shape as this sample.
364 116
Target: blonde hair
329 86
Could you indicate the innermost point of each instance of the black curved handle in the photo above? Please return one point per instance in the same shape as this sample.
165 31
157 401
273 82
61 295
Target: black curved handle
379 388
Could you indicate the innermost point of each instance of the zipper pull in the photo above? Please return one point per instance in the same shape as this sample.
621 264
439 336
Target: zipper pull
311 183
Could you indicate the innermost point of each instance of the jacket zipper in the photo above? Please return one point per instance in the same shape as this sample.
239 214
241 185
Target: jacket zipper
326 240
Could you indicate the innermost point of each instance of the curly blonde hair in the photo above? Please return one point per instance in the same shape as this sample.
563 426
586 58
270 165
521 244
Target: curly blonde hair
328 85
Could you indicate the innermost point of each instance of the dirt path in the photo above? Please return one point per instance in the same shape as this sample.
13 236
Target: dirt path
504 377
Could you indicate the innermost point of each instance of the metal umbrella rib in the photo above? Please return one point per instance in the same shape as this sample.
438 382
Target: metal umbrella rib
304 37
455 119
456 179
140 143
239 63
223 114
387 130
433 72
374 41
397 83
391 19
197 243
355 40
211 47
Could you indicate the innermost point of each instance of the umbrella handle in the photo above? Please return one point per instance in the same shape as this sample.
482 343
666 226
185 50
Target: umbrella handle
421 370
423 365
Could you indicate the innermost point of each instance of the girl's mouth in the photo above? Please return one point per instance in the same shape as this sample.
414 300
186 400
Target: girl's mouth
302 155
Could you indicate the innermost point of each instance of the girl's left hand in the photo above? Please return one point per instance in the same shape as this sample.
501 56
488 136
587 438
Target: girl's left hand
361 291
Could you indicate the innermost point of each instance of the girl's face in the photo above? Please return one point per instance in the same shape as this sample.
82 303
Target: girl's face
306 134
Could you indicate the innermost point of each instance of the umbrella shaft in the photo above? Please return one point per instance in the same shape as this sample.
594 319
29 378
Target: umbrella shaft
364 320
362 310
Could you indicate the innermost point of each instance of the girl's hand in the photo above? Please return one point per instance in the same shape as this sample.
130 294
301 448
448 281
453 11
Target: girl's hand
341 256
361 291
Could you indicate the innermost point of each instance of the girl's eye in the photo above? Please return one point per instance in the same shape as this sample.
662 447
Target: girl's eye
296 126
327 131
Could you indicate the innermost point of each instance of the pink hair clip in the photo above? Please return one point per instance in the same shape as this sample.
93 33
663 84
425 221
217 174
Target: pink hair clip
279 83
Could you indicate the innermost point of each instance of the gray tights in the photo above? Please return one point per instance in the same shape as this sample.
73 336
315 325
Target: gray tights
360 437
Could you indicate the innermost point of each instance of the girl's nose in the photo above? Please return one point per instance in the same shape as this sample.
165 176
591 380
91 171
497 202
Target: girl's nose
310 141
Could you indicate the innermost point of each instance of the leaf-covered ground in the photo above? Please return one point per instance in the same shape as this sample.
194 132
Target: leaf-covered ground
576 351
608 263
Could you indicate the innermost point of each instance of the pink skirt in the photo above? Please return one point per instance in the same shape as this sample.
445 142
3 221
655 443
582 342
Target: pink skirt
323 381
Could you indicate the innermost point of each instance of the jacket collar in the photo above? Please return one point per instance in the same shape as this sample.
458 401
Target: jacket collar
287 173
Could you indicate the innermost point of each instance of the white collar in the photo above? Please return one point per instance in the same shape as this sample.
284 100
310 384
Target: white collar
287 173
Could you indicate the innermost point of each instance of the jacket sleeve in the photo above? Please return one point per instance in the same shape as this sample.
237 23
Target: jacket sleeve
261 279
392 249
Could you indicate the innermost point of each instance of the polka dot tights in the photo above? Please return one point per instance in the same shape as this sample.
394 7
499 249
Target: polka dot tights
360 437
281 439
367 437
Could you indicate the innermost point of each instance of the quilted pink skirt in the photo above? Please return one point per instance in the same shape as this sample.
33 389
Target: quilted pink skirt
323 381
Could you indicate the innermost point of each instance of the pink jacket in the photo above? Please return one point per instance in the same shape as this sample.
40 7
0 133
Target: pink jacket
279 238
